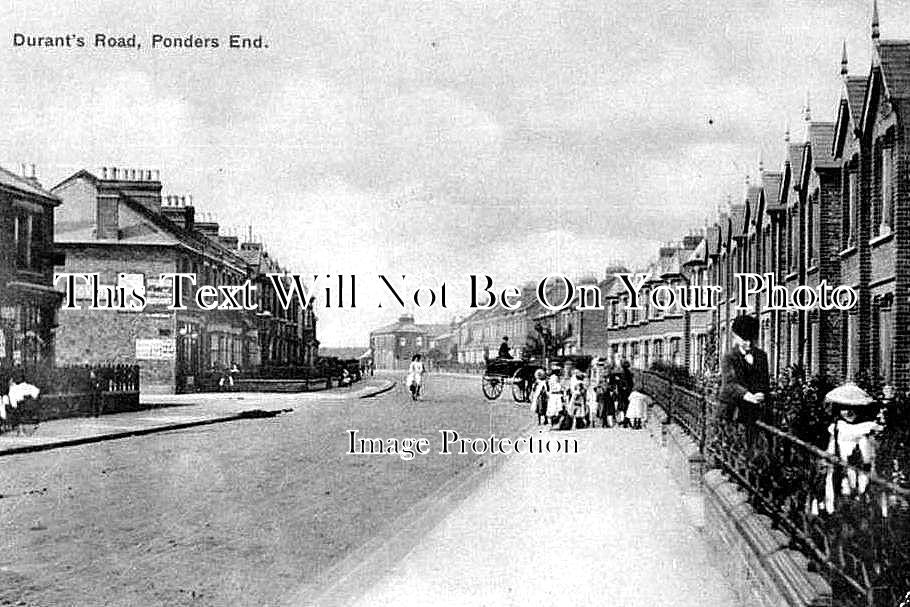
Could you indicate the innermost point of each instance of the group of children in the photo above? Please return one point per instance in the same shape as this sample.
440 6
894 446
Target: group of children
566 402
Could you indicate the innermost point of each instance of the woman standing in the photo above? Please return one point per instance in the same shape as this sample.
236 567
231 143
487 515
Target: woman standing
539 396
415 376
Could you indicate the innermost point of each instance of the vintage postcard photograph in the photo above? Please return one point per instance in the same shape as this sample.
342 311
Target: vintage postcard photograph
455 303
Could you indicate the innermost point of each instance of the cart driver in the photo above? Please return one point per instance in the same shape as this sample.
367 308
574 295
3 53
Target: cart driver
504 349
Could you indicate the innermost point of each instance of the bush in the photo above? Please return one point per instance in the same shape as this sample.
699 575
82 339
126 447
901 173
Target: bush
797 406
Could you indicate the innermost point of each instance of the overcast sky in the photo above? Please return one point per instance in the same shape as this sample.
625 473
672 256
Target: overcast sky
436 138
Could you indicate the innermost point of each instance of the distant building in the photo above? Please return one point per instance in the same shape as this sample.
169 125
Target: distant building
395 344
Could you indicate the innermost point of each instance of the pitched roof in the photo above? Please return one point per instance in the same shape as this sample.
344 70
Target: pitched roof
771 181
404 324
669 264
855 94
753 199
795 158
738 219
434 330
699 254
895 62
10 180
821 138
712 237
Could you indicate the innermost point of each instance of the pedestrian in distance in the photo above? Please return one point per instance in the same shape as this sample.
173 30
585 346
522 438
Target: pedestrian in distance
414 380
96 387
539 396
606 403
624 387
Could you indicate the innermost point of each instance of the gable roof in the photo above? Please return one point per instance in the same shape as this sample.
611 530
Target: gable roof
849 112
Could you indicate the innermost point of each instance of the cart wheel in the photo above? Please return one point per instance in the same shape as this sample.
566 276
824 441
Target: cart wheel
492 387
521 392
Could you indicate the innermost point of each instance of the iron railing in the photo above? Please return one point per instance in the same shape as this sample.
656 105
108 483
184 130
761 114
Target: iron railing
78 379
853 525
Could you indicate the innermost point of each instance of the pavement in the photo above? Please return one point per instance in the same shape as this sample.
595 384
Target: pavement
605 526
166 412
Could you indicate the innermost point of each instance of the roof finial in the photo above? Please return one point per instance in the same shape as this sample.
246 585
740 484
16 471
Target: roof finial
761 163
807 111
875 32
843 61
786 130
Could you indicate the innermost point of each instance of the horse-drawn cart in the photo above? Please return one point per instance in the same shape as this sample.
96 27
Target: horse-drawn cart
502 372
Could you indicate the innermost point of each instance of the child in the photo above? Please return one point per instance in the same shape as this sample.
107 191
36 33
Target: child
539 396
580 410
638 409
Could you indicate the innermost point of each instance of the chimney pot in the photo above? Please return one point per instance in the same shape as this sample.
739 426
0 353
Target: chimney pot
103 172
33 170
156 175
148 175
183 201
113 172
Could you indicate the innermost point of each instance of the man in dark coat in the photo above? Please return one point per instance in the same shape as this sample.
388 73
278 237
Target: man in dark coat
744 374
504 349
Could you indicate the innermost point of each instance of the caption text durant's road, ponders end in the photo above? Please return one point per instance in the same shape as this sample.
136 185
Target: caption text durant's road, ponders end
131 40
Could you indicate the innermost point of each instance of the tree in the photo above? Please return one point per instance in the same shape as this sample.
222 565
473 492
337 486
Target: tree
544 343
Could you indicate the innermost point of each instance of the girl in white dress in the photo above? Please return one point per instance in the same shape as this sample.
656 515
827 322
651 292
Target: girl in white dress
554 397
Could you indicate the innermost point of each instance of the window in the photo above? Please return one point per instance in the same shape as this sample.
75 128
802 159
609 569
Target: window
887 161
22 236
811 206
885 335
418 341
402 341
850 211
793 239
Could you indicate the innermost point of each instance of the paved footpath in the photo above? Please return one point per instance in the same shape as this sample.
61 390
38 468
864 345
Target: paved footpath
606 526
175 411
